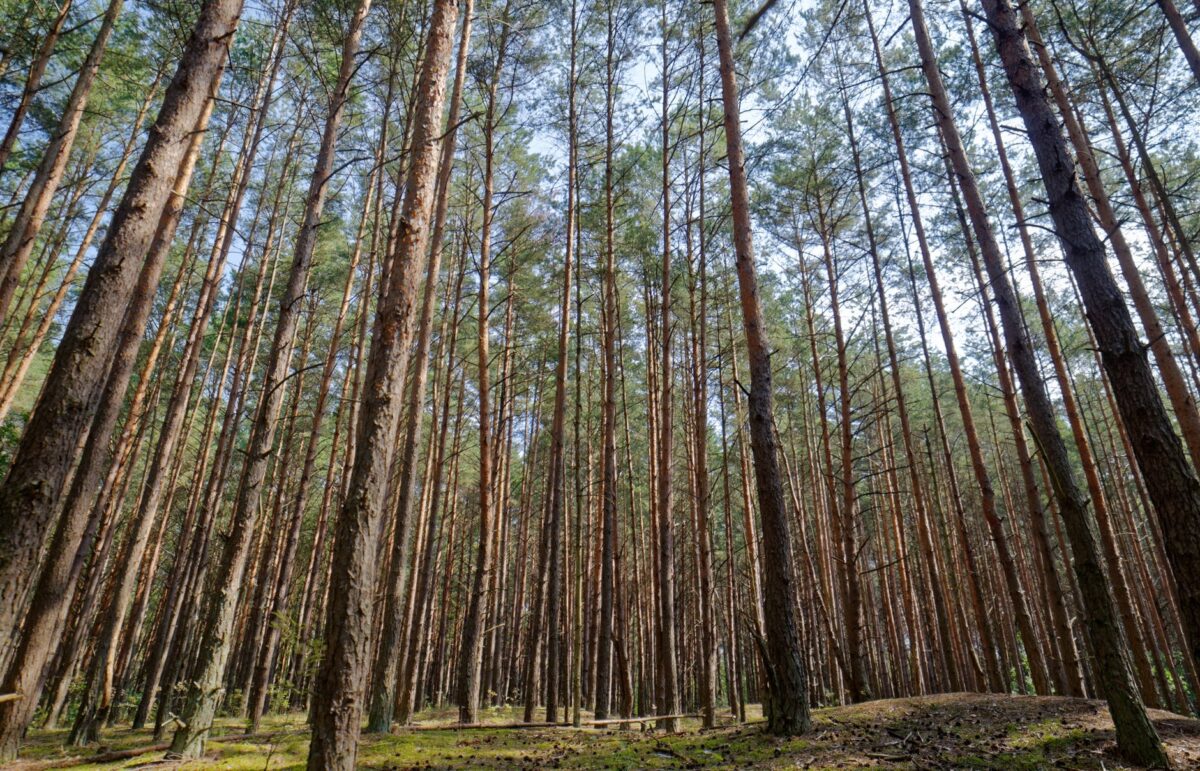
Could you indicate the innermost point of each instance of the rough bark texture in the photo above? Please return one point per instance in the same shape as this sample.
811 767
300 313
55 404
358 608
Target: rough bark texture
337 701
45 459
389 658
205 691
51 599
1170 481
608 428
786 701
94 459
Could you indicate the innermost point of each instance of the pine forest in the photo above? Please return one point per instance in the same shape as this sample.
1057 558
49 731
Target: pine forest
623 384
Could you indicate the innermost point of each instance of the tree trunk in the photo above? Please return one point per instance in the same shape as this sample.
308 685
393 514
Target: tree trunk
1179 29
471 648
205 692
33 83
25 227
95 458
43 463
1170 480
786 704
1136 736
1071 671
698 316
265 659
16 368
387 665
556 471
608 429
668 677
337 703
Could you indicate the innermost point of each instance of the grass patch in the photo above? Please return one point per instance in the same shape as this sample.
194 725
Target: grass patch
950 731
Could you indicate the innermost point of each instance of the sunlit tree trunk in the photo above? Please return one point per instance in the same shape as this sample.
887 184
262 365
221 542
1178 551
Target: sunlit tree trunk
45 460
204 693
24 229
33 83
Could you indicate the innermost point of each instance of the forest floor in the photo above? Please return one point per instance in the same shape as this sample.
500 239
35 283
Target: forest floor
952 731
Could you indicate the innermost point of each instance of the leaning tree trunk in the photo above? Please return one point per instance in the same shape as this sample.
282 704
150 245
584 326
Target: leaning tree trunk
1179 28
94 460
428 563
159 475
337 700
1136 737
17 366
33 83
389 658
204 693
51 599
786 703
24 229
45 458
1069 664
1170 480
920 513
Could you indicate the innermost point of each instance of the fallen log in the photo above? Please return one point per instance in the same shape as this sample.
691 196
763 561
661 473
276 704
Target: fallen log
479 726
643 719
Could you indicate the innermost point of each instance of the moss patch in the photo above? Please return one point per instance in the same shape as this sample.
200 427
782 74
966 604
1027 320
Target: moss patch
949 731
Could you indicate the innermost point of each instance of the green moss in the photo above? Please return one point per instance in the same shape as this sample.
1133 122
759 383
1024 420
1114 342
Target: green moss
955 731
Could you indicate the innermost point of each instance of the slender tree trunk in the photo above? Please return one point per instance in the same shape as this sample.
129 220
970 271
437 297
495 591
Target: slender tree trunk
608 430
33 83
95 458
556 471
387 665
265 660
337 704
1071 670
471 648
428 563
698 313
1170 480
577 548
668 676
921 513
1009 570
786 706
43 463
24 229
205 691
1179 29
